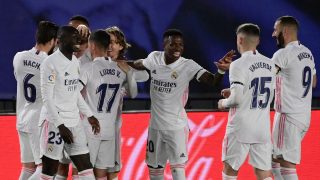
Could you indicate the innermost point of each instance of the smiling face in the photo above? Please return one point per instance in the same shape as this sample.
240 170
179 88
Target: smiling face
114 47
278 34
173 48
70 41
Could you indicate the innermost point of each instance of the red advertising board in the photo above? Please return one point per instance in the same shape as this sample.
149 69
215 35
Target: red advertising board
206 133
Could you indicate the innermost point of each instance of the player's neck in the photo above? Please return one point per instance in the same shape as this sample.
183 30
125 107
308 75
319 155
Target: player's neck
42 47
67 53
169 60
289 40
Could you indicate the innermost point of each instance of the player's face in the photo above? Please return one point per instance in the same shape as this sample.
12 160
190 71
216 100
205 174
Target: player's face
73 41
173 47
114 47
278 34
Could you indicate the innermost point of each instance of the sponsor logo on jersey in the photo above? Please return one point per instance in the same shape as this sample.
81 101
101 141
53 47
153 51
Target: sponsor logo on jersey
66 74
182 155
174 75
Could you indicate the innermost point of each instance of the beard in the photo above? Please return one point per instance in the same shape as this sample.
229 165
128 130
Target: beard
280 40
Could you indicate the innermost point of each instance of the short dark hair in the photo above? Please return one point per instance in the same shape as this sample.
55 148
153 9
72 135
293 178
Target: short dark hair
289 21
83 19
66 31
101 38
172 32
249 29
46 31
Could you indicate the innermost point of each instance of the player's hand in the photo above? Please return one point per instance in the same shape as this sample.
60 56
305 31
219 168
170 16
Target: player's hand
84 30
224 63
225 93
94 124
220 105
123 65
65 134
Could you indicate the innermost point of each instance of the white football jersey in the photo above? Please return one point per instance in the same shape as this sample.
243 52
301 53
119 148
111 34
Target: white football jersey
26 66
294 81
250 120
169 90
60 90
103 80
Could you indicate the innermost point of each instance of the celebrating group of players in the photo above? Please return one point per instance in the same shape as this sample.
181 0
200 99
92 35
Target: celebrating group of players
71 85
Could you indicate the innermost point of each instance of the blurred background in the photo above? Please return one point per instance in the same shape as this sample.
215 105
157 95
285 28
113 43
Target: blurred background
208 25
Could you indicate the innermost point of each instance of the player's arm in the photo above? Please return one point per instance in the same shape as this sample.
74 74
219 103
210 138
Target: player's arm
137 64
235 97
314 82
131 82
223 65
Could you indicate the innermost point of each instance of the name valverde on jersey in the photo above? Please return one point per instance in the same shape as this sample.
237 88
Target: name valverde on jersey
250 120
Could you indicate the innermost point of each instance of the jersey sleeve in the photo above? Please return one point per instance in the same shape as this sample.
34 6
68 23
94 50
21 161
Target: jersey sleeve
194 70
47 84
149 61
84 76
236 76
279 59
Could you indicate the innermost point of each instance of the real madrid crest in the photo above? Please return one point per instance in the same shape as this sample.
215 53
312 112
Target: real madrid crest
174 75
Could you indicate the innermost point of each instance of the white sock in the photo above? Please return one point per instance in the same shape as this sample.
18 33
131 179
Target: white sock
268 178
26 173
276 171
178 172
156 174
37 173
86 174
45 177
59 177
75 177
227 177
289 173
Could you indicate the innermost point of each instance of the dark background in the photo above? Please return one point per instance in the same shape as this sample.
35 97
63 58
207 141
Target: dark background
208 25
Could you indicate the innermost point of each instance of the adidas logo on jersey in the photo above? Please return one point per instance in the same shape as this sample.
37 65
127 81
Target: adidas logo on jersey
182 155
66 74
154 72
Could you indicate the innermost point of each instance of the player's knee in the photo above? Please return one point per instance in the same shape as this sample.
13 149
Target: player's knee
228 170
49 166
82 162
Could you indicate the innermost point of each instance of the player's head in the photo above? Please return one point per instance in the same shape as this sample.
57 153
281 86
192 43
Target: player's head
47 34
285 30
68 39
247 37
77 20
173 44
98 43
118 44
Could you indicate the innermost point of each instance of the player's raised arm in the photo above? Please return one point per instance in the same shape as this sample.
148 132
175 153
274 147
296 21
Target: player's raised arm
223 65
132 84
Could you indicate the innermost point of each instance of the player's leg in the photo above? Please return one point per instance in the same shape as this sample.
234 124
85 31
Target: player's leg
277 136
51 149
234 154
104 157
260 159
35 146
114 171
177 149
79 153
287 150
156 156
28 164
